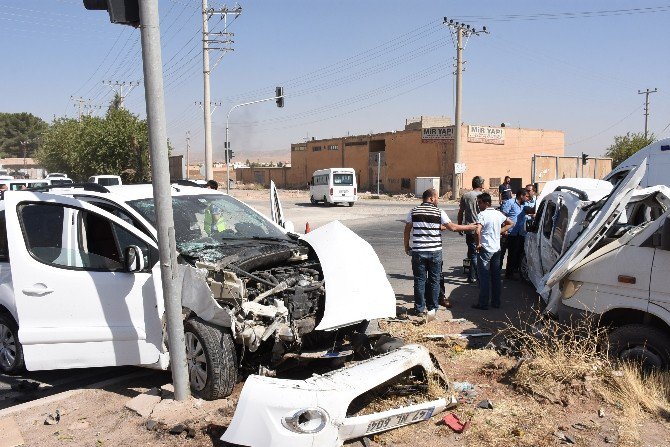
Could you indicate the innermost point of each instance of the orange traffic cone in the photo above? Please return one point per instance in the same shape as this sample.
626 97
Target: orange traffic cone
307 228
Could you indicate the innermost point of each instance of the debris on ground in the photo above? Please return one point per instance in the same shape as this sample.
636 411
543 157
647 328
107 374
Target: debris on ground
53 418
485 404
452 421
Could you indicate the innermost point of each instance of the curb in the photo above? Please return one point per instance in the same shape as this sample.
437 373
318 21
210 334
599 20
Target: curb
65 394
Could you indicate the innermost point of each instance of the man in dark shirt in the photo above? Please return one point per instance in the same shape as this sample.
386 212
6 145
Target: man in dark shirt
505 190
467 214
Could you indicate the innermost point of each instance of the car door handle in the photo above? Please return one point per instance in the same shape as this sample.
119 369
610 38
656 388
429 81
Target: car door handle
39 290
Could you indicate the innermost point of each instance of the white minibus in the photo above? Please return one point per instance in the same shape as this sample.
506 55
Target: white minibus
333 185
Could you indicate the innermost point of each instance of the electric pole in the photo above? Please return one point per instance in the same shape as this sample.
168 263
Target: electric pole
188 146
646 107
208 13
79 102
461 30
118 88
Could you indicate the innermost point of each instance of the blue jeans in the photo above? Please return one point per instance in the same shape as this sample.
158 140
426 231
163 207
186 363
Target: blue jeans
472 256
427 270
488 268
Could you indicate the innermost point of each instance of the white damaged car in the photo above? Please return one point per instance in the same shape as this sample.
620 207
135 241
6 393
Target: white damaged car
615 267
83 289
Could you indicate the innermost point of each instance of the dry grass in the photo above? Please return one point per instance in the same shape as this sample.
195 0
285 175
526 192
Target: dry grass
560 360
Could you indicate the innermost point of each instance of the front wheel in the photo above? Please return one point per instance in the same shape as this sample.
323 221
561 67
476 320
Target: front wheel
211 359
645 345
11 351
312 200
351 204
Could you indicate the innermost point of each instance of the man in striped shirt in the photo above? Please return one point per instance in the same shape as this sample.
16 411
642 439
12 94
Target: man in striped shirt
423 241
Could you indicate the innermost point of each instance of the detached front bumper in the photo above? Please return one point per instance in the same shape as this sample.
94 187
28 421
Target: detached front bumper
295 413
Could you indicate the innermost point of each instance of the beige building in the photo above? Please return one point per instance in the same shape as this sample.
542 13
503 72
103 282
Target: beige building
425 148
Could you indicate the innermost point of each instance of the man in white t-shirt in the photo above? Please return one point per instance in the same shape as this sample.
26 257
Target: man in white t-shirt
490 224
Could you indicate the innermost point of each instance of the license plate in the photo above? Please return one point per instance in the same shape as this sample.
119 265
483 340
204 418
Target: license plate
343 191
399 419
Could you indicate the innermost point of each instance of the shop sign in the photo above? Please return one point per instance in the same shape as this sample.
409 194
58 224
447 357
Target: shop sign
437 133
485 134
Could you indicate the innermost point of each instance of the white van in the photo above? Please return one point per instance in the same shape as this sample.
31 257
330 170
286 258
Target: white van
618 270
105 180
333 185
657 155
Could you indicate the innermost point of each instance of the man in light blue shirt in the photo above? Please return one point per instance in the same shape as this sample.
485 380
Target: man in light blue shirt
490 224
515 210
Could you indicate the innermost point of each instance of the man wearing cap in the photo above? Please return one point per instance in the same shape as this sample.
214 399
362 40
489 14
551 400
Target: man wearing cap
467 214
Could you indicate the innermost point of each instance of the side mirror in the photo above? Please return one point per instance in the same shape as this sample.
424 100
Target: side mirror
665 235
134 259
288 226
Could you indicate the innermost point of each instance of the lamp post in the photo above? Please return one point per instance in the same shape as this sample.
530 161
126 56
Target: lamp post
280 103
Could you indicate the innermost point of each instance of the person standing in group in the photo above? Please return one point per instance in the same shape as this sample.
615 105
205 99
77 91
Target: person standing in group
490 224
511 209
467 214
423 241
505 190
516 237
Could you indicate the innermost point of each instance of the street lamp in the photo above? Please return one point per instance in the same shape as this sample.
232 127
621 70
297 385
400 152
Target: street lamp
279 98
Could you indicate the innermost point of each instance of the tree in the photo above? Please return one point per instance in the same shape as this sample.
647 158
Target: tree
116 144
19 128
626 145
116 102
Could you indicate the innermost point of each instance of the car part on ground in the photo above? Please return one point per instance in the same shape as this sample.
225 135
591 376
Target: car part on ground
316 411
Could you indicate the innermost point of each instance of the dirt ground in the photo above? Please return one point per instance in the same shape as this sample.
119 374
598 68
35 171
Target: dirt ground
98 417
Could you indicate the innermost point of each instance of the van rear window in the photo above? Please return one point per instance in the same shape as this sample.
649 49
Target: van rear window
343 179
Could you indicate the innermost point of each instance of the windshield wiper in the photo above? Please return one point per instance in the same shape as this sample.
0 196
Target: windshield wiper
270 238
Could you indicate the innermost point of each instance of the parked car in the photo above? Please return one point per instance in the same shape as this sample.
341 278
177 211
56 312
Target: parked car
83 287
106 180
56 175
16 185
334 185
617 268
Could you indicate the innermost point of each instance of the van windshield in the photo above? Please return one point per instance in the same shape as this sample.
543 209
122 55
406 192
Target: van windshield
343 179
108 181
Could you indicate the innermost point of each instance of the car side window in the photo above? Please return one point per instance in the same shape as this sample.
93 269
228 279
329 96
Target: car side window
559 229
4 250
548 219
74 238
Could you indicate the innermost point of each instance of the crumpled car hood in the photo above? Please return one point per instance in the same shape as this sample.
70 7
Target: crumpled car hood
357 288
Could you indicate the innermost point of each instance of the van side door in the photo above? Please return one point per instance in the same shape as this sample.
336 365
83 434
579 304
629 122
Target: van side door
77 304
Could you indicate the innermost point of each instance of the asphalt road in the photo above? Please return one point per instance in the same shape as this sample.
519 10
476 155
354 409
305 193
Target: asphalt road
380 223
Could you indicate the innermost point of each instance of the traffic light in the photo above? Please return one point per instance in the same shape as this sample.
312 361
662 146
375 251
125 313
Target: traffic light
125 12
584 158
279 94
229 155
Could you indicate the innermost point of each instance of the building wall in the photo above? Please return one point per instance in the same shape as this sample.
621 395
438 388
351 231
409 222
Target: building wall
263 175
404 156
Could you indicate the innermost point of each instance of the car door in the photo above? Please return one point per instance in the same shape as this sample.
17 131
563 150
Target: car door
659 290
77 306
532 246
547 257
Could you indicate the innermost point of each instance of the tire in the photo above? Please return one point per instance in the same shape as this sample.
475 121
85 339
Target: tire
351 204
325 200
312 200
646 345
11 351
211 359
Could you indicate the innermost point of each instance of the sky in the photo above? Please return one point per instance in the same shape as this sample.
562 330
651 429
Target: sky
352 67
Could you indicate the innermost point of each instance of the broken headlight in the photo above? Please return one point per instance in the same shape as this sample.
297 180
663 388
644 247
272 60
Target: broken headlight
306 420
569 288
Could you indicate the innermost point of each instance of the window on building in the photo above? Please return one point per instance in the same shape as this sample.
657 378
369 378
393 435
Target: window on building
333 147
356 143
316 148
405 183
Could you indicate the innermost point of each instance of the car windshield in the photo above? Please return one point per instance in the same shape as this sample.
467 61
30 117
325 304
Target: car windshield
108 181
210 220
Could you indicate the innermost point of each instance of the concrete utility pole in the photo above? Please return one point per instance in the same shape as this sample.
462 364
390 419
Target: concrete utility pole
119 86
461 30
155 103
646 107
188 146
207 13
